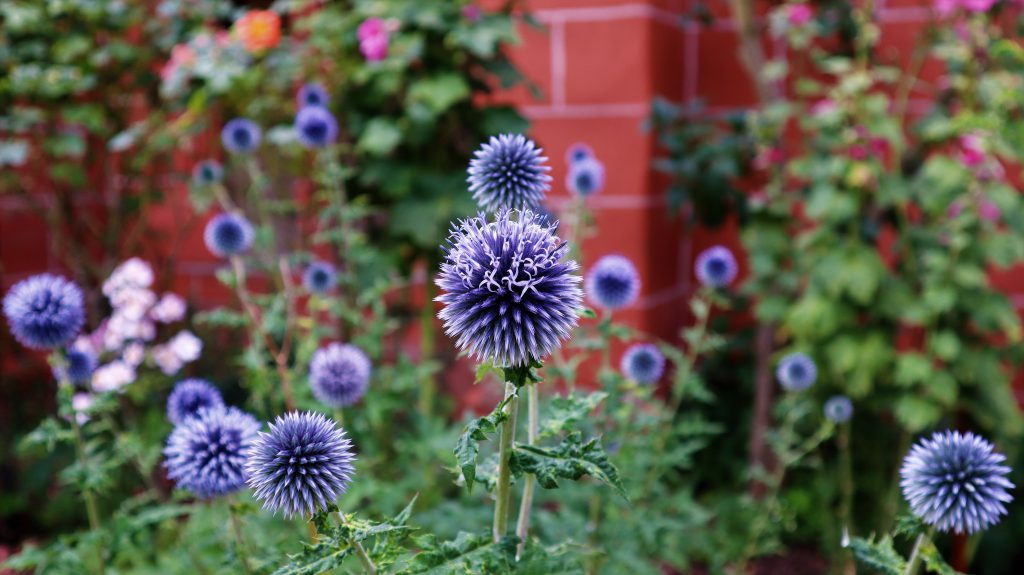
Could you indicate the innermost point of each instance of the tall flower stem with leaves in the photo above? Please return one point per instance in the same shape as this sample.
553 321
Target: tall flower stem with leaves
506 438
530 482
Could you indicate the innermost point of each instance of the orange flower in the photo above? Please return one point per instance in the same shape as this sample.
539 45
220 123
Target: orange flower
258 30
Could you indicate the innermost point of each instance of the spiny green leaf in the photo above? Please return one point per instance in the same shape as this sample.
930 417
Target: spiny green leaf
468 553
879 555
572 459
563 412
466 448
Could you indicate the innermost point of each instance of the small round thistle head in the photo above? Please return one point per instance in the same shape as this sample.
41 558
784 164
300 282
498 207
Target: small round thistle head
189 396
316 127
509 296
838 409
228 235
796 372
578 152
643 363
508 172
339 374
585 177
206 453
613 282
44 311
313 94
956 482
241 136
80 365
301 466
319 277
716 267
207 172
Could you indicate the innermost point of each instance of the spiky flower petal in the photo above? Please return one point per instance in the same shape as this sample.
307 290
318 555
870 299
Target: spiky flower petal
508 172
228 235
80 365
643 363
319 277
301 466
585 177
189 396
838 409
510 297
956 482
316 127
206 453
339 374
313 94
241 136
207 172
716 267
44 311
796 372
613 282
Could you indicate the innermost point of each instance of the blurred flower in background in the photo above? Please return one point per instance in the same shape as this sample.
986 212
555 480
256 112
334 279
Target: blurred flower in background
258 30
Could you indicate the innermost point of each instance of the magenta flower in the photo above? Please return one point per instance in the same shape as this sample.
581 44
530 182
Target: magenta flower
374 35
972 150
988 210
977 5
799 14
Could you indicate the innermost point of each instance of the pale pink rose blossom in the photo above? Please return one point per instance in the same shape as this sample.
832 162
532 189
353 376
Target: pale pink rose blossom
112 376
169 309
186 346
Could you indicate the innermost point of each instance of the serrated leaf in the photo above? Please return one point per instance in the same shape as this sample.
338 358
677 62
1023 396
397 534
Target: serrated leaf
466 448
562 412
467 553
879 555
571 459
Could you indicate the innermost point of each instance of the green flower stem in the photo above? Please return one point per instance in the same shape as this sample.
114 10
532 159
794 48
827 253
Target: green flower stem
915 555
364 557
846 489
503 490
236 527
532 430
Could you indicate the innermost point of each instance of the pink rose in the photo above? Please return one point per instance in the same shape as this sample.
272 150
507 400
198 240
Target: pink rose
374 49
988 210
977 5
972 150
799 14
370 28
374 35
945 7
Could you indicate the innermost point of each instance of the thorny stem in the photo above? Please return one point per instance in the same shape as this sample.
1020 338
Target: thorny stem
361 553
915 554
532 430
243 554
503 489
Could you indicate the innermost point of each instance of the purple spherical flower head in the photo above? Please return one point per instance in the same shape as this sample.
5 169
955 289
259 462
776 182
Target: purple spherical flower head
44 311
509 297
838 409
508 172
316 127
956 482
206 453
241 136
796 372
585 177
643 363
301 466
339 374
578 152
319 277
207 172
313 94
613 282
80 366
716 267
189 396
228 235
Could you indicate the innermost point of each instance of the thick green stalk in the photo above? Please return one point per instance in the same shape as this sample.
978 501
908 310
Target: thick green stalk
364 557
503 490
532 430
915 555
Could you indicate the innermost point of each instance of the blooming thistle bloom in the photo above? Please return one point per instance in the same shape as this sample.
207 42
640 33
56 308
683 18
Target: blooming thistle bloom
80 365
302 465
189 396
316 127
838 409
796 372
339 374
258 30
228 235
585 177
207 172
319 277
313 94
956 482
643 363
613 282
578 152
44 311
509 298
206 453
241 135
508 172
716 267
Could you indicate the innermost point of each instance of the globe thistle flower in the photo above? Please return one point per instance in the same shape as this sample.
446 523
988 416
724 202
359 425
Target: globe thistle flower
716 267
578 152
956 482
228 235
339 374
319 277
315 127
207 172
313 94
643 363
79 367
613 282
585 177
838 409
44 311
508 172
189 396
509 297
206 453
241 136
796 372
302 465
